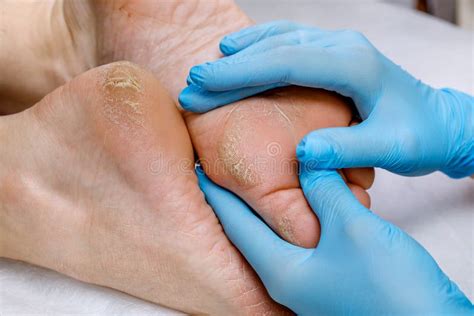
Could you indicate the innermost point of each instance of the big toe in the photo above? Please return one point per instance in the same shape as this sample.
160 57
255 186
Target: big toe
289 215
287 212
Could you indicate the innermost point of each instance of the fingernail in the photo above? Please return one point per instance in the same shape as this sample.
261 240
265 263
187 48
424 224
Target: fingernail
189 80
315 152
227 45
197 74
185 99
300 149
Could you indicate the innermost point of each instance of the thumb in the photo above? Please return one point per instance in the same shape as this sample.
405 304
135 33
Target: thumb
331 200
343 147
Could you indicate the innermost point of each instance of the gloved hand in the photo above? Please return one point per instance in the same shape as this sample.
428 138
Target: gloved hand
363 265
409 128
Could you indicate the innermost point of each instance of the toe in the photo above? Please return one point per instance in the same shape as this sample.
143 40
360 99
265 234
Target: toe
363 177
290 216
360 194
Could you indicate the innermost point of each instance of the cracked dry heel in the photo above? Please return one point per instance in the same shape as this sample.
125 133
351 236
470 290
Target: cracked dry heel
249 148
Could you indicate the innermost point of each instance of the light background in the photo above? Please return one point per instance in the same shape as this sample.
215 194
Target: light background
435 210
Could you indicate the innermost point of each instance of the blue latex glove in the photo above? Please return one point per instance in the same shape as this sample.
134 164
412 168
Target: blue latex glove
409 128
363 265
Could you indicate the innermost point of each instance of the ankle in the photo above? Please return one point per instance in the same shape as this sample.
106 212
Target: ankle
57 42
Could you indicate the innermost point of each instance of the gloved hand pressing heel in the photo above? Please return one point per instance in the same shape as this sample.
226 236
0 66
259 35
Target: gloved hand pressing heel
363 265
409 128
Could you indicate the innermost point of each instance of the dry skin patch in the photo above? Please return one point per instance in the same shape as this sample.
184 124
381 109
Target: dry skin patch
124 91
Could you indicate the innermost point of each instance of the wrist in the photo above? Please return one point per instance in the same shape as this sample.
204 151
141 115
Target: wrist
459 110
47 43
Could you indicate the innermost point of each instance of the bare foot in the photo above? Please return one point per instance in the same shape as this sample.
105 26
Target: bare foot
97 182
170 37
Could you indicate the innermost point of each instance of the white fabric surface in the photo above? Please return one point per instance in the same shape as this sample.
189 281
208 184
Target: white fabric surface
435 210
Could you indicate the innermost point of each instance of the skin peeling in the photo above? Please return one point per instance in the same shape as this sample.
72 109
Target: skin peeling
122 98
285 228
121 78
233 159
234 162
229 152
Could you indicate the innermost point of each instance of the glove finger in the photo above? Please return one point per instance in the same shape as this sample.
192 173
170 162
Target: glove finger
331 200
364 177
195 99
297 37
246 37
330 69
256 241
344 147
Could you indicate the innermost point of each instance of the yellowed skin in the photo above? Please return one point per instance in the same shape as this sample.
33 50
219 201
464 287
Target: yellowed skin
232 156
123 91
